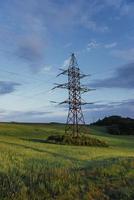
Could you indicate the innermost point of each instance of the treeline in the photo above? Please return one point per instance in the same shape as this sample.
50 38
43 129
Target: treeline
117 125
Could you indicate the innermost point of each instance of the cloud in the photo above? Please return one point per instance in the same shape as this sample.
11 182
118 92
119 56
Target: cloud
93 44
27 33
2 111
95 111
127 54
111 45
38 21
123 78
47 69
66 63
7 87
124 7
67 45
110 105
114 3
31 115
123 108
30 50
127 9
90 24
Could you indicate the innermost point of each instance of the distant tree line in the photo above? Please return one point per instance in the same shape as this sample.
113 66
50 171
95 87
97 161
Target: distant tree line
117 125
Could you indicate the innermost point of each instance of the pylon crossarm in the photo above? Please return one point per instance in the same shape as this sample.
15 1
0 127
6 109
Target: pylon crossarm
86 103
63 86
84 75
64 72
85 89
63 102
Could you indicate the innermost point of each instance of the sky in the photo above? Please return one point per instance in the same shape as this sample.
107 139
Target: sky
37 38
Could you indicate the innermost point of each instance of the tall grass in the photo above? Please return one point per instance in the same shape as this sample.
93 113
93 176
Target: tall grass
109 179
32 169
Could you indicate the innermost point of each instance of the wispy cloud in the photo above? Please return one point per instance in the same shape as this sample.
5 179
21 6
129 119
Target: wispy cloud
31 115
67 45
124 7
110 45
30 49
114 108
123 78
114 3
127 9
47 69
45 17
93 44
93 25
126 54
7 87
66 63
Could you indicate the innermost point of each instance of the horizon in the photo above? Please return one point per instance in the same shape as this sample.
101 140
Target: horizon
63 123
37 38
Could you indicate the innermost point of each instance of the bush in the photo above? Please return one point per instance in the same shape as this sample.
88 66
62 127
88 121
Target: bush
81 140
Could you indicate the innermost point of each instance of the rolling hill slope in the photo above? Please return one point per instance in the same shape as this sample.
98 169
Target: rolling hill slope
33 169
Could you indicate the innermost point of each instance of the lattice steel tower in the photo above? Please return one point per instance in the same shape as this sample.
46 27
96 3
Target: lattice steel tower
75 118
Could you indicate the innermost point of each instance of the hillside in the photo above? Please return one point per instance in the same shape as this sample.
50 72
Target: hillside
117 125
33 169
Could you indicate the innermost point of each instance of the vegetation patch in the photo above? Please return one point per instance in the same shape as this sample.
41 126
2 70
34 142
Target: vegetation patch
33 169
111 179
117 125
81 140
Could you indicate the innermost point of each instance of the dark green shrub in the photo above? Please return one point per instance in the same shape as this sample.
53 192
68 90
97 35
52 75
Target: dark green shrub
82 140
114 129
117 125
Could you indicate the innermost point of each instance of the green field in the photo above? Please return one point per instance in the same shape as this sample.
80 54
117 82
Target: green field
32 169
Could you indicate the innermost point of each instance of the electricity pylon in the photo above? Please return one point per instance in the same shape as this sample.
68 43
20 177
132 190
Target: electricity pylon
75 118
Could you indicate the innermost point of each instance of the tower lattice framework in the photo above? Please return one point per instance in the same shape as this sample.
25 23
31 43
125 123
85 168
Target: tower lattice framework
75 118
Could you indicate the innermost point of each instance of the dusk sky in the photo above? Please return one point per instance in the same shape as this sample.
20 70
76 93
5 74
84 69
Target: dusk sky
37 38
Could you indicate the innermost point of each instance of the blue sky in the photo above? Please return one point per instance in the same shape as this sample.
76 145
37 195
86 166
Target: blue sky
37 38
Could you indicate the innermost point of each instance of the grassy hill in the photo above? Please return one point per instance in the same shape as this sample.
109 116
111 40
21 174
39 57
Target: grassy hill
117 125
33 169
